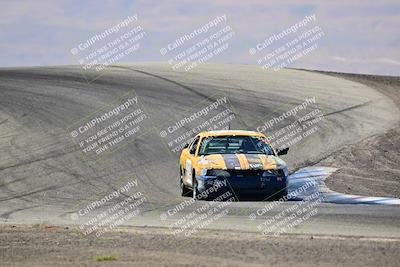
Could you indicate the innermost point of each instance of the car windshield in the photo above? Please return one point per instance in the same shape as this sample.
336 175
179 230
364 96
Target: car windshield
234 145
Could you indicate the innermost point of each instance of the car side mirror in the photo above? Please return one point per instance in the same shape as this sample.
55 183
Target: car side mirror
186 146
283 151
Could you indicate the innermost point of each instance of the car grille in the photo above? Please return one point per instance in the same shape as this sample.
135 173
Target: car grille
245 172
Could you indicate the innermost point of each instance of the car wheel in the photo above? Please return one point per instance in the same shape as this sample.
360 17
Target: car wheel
195 190
185 192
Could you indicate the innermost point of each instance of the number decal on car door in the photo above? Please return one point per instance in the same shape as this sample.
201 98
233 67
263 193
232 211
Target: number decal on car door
188 171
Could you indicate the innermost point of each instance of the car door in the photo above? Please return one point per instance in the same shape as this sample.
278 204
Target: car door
189 161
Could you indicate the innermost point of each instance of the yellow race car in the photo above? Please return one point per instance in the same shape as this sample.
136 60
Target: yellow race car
242 162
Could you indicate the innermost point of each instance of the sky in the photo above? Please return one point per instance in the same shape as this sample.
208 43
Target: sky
360 36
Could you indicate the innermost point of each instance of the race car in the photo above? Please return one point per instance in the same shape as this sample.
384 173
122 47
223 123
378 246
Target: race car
239 161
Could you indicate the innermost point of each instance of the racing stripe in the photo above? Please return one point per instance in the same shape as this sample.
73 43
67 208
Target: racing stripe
244 163
263 159
268 162
231 161
221 159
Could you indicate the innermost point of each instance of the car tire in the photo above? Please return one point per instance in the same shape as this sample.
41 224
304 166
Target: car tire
185 192
195 193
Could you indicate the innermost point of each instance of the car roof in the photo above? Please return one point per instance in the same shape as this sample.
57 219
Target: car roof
231 132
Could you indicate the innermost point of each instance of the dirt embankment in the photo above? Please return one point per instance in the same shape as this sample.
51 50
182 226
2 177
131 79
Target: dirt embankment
372 166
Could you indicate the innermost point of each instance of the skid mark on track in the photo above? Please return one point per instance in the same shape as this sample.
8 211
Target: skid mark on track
4 121
194 91
6 215
39 159
167 80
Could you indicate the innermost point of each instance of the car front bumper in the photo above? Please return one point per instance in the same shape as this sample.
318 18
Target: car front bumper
242 185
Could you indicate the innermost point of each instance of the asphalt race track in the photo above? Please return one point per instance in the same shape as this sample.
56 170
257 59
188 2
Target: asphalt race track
44 179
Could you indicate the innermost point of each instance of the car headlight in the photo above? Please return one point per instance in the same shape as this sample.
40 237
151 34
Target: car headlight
285 171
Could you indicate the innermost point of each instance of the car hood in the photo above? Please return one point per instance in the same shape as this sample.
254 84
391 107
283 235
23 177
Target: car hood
241 162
